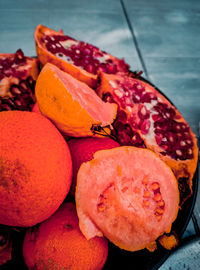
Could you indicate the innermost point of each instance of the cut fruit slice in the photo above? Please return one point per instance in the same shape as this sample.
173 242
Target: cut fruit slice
134 198
70 104
147 119
78 58
18 74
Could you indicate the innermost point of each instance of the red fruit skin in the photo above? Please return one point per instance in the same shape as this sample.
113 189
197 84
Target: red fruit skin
36 108
83 149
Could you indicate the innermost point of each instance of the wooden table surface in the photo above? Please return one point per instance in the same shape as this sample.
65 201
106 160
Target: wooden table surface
162 38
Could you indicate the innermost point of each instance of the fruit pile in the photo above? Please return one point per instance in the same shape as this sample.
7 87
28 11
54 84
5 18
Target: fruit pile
90 154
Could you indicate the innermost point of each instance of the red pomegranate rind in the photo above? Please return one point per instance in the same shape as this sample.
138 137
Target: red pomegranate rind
18 74
134 198
80 59
152 122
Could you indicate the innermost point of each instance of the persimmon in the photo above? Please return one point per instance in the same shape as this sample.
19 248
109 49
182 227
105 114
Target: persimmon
134 197
35 168
58 243
71 105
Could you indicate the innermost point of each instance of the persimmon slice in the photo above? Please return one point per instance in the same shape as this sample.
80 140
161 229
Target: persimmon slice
71 105
133 197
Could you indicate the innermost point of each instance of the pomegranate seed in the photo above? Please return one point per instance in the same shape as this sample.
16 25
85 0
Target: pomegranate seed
97 54
148 97
136 98
182 143
19 56
5 107
137 140
23 86
143 113
158 138
14 89
145 126
111 68
118 93
156 117
135 122
189 142
90 68
179 152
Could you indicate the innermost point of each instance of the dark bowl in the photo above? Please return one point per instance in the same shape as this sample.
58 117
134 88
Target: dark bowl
118 258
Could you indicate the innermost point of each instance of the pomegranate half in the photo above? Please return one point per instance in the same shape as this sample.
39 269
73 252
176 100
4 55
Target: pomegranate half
80 59
18 74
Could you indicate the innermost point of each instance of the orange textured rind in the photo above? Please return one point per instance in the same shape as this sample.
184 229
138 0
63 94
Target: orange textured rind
59 244
36 168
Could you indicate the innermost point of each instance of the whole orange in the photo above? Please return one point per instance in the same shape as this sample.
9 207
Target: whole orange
59 244
83 149
35 168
